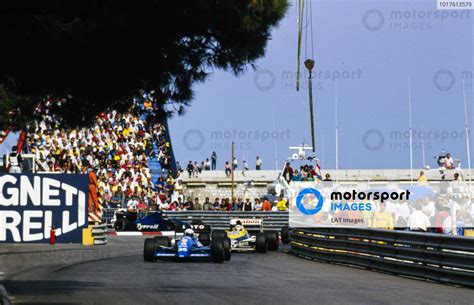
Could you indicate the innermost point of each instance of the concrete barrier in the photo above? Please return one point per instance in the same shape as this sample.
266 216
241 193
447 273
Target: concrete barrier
216 184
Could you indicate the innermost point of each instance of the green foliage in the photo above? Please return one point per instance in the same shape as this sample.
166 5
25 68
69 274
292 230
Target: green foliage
99 53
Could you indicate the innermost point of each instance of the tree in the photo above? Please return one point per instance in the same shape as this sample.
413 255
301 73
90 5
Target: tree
99 53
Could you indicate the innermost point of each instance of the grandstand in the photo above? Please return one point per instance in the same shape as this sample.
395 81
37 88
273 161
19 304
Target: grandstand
129 151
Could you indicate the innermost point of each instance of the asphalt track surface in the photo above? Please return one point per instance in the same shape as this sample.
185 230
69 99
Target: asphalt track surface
116 274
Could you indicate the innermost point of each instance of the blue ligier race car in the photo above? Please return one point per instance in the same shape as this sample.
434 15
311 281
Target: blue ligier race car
188 247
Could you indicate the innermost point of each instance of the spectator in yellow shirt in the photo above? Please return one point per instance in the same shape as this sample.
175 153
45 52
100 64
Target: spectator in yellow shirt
422 180
383 219
281 205
125 132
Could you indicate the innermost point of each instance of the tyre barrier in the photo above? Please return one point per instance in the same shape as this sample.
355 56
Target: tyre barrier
429 256
99 234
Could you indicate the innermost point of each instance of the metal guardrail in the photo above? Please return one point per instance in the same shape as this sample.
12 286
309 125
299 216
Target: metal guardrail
442 258
107 215
218 219
221 220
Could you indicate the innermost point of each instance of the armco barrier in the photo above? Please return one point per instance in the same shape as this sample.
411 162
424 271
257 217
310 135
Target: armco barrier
107 215
437 257
221 220
218 219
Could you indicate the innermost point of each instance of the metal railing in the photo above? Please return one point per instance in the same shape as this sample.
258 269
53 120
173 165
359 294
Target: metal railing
221 220
218 219
442 258
107 215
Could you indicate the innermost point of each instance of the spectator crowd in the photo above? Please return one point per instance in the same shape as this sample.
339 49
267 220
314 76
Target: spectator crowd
442 207
225 204
195 168
117 148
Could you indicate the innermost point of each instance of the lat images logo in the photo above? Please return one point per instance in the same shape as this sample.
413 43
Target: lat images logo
309 197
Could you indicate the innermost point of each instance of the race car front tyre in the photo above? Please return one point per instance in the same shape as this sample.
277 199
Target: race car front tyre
149 250
227 249
164 241
205 238
272 240
285 235
261 243
217 250
218 233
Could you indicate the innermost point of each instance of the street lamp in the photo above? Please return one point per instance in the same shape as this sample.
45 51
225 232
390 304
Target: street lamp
309 64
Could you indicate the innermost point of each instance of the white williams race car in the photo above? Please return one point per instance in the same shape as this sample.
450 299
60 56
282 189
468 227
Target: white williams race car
248 235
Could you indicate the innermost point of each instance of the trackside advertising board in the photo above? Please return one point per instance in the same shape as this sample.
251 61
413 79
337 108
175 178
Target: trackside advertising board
31 204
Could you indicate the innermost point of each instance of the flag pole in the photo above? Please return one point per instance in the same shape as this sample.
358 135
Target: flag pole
275 143
337 130
468 148
423 146
410 130
233 169
322 149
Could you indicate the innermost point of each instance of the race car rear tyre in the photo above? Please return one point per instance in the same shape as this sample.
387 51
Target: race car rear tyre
217 250
218 233
272 240
205 238
149 250
261 243
227 249
121 225
285 235
164 241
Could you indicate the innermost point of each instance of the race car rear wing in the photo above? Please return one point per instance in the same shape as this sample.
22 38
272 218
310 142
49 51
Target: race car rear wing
250 224
197 227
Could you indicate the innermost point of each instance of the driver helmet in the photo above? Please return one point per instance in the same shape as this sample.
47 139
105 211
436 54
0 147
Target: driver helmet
238 226
189 232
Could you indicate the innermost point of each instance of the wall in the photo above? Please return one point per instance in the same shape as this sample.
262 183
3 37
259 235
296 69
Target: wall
216 184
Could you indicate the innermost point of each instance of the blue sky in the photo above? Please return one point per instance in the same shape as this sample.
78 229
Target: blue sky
373 51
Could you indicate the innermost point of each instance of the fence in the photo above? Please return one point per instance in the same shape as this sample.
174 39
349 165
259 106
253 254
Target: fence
108 214
217 219
221 220
436 257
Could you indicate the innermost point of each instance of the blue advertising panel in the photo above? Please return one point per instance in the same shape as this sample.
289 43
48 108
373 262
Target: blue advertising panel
30 204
